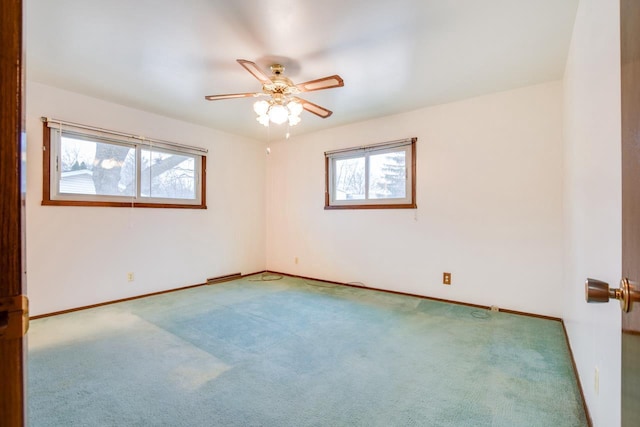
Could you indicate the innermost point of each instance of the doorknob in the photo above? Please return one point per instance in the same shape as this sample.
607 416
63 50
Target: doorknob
599 291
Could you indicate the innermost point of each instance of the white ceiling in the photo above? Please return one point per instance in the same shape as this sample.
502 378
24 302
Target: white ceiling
164 56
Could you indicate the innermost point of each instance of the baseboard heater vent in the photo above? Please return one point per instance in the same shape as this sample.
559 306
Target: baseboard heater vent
220 279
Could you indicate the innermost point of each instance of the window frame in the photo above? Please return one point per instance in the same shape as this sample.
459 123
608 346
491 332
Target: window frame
51 178
409 202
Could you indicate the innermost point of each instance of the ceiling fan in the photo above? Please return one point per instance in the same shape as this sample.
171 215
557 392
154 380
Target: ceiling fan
283 104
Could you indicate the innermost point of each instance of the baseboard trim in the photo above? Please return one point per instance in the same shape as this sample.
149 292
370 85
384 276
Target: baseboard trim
468 304
100 304
221 279
575 373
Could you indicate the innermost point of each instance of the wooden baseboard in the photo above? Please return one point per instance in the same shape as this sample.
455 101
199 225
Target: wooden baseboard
235 276
86 307
486 307
575 372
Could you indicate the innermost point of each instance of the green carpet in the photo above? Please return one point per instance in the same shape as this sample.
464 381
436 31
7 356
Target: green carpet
298 353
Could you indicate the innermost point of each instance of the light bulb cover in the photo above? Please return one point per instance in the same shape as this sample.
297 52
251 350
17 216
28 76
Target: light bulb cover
278 114
295 108
261 107
263 119
294 120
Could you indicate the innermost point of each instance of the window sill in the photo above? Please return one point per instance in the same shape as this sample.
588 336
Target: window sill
389 206
121 204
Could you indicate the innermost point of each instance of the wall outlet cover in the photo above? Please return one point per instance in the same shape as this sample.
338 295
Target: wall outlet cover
446 278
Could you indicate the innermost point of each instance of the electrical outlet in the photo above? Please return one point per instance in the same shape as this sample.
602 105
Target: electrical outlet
446 278
130 277
596 381
495 308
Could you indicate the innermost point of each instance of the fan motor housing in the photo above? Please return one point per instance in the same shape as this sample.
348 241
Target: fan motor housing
280 83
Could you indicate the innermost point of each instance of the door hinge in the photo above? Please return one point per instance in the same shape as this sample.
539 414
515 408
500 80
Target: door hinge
14 316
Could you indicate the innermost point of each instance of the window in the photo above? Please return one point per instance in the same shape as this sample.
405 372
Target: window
380 176
85 166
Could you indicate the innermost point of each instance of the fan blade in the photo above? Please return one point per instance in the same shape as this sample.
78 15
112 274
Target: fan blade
232 96
255 71
314 108
323 83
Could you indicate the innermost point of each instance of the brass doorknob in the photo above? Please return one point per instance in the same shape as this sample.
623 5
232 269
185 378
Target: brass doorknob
599 291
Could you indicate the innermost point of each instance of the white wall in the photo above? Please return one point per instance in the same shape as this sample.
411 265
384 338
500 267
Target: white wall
489 195
80 255
593 200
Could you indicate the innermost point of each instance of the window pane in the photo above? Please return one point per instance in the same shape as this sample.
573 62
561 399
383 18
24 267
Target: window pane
388 176
385 169
349 179
95 167
167 175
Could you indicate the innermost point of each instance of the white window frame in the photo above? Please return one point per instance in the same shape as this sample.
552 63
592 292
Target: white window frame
54 130
408 146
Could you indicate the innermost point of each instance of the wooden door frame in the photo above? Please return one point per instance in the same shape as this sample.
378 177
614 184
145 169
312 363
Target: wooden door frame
630 132
12 364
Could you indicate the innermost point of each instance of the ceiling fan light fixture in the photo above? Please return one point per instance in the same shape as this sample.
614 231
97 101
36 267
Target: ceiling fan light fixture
283 104
278 114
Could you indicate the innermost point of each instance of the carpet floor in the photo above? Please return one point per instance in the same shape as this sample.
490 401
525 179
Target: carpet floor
295 352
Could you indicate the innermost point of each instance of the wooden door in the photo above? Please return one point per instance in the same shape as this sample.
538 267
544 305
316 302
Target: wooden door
12 393
630 66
